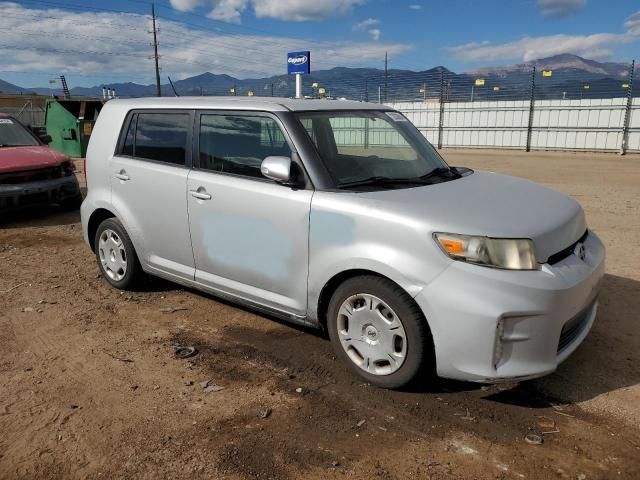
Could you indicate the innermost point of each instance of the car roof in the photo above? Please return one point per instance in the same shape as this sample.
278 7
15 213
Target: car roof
272 104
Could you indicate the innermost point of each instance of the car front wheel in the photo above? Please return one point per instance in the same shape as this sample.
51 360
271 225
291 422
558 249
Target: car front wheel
379 331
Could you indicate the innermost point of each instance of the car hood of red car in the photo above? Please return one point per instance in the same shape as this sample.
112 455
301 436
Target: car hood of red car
17 159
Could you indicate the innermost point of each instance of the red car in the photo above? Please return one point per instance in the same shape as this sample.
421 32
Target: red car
32 173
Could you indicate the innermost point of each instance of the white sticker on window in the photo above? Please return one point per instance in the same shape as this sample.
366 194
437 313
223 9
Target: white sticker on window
397 117
6 121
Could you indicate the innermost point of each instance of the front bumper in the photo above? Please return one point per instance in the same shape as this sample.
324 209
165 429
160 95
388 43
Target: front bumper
492 325
14 196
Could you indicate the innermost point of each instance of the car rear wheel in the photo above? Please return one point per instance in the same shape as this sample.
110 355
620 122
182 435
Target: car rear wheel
116 256
379 331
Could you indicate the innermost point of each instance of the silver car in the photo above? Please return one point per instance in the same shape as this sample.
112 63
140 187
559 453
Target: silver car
340 215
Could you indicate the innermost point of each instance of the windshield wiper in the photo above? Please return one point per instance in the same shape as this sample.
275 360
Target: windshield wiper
427 179
440 172
382 181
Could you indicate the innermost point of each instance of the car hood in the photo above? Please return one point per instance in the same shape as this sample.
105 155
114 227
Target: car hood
492 205
17 159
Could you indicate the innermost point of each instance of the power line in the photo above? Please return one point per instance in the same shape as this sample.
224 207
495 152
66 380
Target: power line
284 44
263 47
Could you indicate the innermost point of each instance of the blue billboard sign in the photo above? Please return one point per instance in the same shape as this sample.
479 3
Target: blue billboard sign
299 62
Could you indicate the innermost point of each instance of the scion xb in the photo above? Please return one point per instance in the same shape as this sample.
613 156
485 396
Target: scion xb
341 215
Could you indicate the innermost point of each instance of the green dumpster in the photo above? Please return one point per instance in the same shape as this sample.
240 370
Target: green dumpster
70 122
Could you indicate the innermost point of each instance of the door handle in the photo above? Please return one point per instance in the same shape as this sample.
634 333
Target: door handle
122 175
200 194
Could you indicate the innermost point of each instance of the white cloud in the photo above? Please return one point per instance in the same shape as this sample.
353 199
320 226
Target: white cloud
302 10
228 10
295 10
560 8
185 5
633 24
415 6
597 46
365 24
103 43
224 10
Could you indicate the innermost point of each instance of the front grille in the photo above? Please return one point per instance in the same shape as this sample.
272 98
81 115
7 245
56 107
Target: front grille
564 253
39 175
33 199
574 327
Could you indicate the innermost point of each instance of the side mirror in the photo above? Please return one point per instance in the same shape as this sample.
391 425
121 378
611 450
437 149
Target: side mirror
277 168
46 139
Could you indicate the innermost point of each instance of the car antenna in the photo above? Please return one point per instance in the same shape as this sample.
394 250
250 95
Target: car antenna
172 86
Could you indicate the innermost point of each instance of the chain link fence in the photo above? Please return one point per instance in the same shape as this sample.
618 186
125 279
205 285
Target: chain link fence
29 110
522 108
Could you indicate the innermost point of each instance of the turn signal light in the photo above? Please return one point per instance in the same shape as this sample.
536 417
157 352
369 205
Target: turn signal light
452 247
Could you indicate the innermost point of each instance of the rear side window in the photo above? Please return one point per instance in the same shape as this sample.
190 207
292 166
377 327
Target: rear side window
127 148
158 136
237 144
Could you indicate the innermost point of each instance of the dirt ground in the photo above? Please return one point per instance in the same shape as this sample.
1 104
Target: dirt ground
90 386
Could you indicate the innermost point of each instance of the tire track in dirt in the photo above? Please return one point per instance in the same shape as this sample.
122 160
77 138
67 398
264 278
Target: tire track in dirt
492 416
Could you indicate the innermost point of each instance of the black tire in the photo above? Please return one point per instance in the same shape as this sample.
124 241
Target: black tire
71 204
133 271
419 350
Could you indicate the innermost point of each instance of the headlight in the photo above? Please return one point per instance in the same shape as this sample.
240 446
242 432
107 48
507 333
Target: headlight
68 168
507 253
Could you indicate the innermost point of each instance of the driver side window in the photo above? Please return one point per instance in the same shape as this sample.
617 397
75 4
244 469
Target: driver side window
237 144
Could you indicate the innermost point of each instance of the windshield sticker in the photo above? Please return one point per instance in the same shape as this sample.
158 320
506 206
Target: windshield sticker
6 121
397 117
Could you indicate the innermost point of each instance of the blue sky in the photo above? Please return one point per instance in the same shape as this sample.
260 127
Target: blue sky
95 42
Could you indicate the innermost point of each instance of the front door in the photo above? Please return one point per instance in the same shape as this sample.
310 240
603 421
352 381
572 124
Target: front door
249 233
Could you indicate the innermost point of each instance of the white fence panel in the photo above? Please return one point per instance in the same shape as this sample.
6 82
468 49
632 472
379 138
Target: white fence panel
587 124
634 126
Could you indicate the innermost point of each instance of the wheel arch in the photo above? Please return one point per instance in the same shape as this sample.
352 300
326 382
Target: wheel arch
338 279
97 217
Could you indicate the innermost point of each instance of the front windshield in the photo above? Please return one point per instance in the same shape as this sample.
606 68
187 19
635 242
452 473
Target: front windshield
12 134
356 145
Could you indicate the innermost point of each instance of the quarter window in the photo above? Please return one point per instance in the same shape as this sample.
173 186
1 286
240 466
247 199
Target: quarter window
238 144
158 136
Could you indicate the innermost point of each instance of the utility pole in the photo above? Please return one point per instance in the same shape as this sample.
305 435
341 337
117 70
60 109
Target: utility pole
155 49
366 90
272 89
386 74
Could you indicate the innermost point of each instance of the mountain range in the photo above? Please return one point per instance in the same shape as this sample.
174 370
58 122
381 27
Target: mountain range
563 63
570 75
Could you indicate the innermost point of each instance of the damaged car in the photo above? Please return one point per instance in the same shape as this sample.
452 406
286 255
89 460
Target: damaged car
340 215
32 173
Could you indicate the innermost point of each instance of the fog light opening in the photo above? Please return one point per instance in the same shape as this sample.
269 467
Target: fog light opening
498 346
